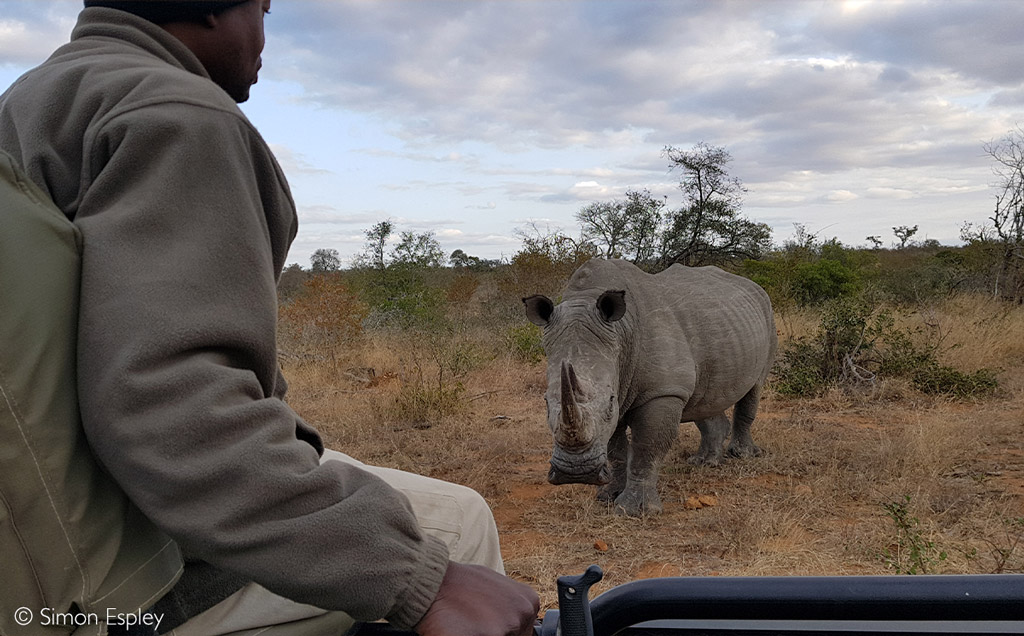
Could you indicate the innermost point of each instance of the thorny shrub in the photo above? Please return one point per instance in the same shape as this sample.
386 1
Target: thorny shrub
320 319
912 552
433 381
461 290
856 342
524 341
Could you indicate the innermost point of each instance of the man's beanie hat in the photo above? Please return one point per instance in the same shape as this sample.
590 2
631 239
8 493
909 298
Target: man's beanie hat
116 3
161 11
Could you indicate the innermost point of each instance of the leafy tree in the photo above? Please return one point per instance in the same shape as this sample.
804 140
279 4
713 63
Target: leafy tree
373 256
605 223
645 225
418 250
291 281
903 233
459 258
325 260
627 228
876 243
708 228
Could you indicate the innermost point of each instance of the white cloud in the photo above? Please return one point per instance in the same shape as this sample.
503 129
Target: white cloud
841 196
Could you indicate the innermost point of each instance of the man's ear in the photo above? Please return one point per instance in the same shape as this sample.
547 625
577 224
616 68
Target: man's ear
539 309
612 304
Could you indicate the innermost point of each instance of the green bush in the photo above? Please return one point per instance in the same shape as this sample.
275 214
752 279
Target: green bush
401 297
823 280
837 351
857 342
524 341
800 370
934 378
806 283
912 553
774 276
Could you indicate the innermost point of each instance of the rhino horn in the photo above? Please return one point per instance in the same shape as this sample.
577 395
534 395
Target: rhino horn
572 417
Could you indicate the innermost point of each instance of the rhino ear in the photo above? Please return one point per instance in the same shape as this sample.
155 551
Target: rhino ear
539 309
612 304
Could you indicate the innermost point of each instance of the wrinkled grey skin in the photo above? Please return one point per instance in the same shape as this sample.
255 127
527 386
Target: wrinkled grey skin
631 350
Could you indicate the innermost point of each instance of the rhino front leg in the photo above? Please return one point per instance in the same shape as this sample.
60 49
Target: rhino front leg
742 444
618 451
713 431
653 426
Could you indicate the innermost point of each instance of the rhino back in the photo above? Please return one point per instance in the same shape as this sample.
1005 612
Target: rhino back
701 334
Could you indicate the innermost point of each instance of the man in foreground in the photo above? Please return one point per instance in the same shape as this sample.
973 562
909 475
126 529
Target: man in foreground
132 129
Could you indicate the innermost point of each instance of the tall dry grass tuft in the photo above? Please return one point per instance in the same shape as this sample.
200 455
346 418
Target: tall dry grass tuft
977 331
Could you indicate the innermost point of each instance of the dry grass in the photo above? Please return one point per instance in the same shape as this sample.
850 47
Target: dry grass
974 332
814 504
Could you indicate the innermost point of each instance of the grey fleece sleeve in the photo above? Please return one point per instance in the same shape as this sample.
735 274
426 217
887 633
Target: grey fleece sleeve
183 224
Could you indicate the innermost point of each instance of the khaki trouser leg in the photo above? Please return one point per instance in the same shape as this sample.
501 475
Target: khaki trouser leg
457 515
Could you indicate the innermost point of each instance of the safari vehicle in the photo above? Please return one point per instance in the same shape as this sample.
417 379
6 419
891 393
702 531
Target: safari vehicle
754 606
788 606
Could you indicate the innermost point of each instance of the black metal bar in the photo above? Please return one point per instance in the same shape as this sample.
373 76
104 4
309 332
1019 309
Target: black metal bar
791 606
844 598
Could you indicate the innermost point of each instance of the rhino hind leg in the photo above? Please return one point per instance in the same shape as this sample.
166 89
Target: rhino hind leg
618 452
742 444
713 431
652 426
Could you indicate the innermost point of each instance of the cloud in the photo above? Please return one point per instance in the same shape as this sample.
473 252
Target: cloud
293 162
506 105
840 196
330 215
31 30
798 86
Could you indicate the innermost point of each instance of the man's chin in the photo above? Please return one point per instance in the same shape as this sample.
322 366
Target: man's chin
240 96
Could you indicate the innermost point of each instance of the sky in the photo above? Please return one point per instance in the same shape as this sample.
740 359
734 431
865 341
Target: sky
480 119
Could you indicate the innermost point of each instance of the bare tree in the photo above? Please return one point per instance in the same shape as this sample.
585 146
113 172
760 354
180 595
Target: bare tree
1008 216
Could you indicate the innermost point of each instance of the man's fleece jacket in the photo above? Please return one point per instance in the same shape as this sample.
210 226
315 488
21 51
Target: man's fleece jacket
186 220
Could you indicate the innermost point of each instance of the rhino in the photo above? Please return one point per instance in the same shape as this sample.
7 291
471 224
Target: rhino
631 355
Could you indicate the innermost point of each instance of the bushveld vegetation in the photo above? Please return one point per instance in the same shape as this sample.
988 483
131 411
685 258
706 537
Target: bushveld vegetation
892 422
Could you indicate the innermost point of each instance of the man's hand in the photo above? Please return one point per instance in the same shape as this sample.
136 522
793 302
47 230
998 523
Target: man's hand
477 601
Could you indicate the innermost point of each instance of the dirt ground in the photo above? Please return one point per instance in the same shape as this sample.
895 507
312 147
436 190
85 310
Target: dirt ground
886 482
815 504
